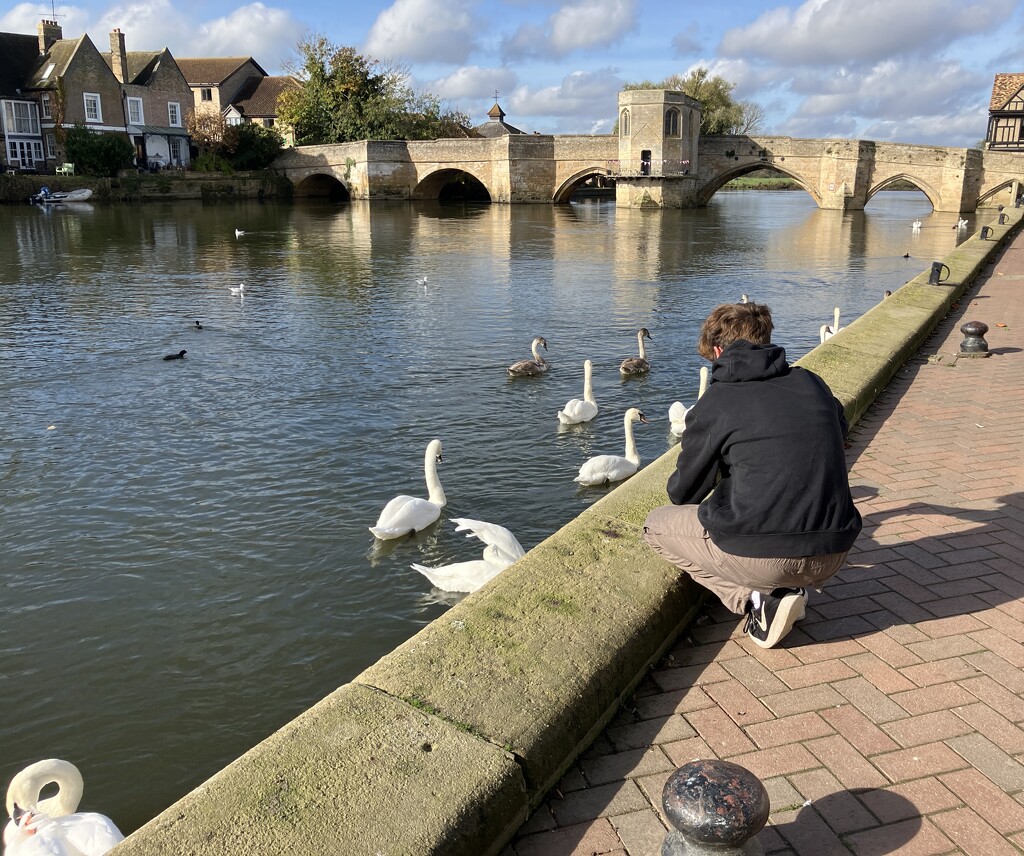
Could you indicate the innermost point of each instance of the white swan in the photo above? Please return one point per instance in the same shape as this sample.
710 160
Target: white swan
677 417
581 410
239 233
405 514
613 468
827 331
961 224
917 226
422 281
704 374
744 299
239 290
51 826
637 365
501 551
529 368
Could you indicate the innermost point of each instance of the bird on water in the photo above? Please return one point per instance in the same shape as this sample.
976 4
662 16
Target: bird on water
178 356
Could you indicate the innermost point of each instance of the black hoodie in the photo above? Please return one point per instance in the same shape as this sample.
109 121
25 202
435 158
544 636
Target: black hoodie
774 435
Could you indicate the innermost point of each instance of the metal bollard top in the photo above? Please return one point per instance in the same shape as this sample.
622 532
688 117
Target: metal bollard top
715 802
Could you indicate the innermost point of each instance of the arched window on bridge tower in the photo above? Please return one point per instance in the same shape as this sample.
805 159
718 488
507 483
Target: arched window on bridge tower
624 123
672 122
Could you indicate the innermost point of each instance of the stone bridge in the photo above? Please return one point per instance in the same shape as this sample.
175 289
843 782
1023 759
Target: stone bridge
838 174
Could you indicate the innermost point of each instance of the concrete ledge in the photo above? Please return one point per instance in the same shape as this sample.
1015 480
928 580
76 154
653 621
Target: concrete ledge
447 743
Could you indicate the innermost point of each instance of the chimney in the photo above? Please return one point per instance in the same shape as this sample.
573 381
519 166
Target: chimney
118 57
49 32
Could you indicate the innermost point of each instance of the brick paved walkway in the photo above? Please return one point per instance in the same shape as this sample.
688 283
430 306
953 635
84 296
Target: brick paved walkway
890 722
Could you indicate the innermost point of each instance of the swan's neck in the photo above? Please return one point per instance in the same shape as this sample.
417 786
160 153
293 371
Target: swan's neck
535 350
643 350
435 493
631 453
835 320
703 381
588 384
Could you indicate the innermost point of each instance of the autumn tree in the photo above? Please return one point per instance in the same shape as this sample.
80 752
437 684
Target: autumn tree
206 128
345 96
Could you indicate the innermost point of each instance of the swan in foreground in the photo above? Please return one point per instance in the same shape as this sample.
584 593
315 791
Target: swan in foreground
501 551
578 410
51 826
405 514
827 331
239 291
677 417
612 468
678 411
637 365
239 233
530 368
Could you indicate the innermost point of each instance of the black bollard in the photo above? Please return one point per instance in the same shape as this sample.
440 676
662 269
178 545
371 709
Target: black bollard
974 344
986 233
1002 219
717 809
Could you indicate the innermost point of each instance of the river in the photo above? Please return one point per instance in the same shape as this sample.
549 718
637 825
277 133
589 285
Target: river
185 560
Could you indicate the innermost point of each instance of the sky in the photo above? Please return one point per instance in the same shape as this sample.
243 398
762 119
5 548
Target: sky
908 71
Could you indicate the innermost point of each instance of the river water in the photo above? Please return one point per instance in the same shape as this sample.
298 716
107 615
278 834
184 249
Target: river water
185 563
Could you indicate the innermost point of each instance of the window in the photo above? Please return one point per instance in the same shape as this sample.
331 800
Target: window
672 123
175 144
25 153
174 114
45 100
206 94
51 145
234 120
135 111
268 123
624 123
20 117
92 107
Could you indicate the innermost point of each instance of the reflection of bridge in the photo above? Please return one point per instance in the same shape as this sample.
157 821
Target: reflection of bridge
838 174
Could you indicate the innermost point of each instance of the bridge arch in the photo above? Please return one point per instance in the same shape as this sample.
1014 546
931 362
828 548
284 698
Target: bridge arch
923 186
717 182
324 186
999 188
434 185
566 188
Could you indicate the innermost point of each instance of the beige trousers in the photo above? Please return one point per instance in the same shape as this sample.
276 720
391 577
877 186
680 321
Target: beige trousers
675 532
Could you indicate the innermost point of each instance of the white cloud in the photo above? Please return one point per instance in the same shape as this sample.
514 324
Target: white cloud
262 32
836 32
25 18
474 82
580 100
576 26
424 31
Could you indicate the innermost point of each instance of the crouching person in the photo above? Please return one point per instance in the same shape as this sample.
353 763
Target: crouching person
761 505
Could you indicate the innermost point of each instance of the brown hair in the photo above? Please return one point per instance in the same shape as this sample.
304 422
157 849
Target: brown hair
732 321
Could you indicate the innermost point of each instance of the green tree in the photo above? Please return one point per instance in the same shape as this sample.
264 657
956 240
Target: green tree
250 146
345 96
721 114
97 153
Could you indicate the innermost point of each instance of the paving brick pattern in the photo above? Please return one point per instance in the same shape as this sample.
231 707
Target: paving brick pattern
891 721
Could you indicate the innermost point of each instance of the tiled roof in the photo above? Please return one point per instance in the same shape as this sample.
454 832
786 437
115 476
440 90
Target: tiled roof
213 71
258 95
1004 88
496 126
141 65
60 55
20 53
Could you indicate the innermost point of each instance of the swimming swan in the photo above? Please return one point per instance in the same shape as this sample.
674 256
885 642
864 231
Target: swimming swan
501 551
581 410
917 226
405 514
613 468
239 233
240 291
530 368
827 331
51 826
637 365
677 417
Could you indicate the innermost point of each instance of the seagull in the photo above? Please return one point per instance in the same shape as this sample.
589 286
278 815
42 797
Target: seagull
240 291
178 356
239 233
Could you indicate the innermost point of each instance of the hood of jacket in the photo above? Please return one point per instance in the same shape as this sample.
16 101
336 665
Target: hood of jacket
743 361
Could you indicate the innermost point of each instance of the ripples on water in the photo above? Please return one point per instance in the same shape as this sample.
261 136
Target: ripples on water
186 562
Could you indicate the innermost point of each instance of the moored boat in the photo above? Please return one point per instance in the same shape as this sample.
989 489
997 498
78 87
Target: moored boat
45 196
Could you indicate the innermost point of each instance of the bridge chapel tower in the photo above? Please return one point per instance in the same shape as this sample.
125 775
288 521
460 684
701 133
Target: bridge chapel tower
658 132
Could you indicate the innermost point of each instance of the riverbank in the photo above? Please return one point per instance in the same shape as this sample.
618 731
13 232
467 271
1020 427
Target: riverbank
162 186
447 743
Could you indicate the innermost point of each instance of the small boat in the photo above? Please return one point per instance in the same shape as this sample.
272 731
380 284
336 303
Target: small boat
44 196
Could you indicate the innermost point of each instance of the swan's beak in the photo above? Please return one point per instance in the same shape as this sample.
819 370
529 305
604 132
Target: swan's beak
643 418
439 459
22 817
